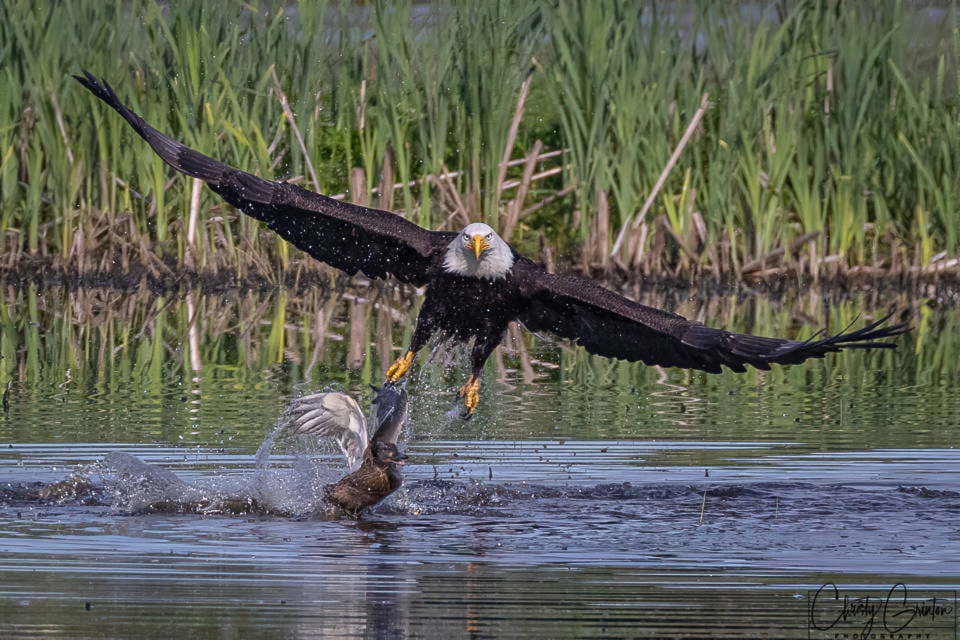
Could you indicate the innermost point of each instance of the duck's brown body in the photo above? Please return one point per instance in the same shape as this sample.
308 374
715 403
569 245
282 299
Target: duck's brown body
377 478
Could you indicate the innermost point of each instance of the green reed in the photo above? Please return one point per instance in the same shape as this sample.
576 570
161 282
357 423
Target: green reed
830 136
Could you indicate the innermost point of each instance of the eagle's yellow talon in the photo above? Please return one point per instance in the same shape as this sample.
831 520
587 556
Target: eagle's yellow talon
471 394
399 368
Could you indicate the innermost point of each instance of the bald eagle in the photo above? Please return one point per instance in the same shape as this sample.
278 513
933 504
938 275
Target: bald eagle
476 283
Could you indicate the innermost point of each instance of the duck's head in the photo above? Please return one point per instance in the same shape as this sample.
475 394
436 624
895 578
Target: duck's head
387 452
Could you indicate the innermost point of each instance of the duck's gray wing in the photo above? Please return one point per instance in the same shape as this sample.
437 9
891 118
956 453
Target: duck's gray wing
331 415
389 412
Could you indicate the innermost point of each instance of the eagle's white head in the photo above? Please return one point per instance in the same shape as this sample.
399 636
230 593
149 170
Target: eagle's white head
479 252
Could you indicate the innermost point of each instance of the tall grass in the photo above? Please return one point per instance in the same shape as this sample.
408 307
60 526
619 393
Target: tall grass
829 142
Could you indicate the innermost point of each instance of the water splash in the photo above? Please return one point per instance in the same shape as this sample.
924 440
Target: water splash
288 479
131 485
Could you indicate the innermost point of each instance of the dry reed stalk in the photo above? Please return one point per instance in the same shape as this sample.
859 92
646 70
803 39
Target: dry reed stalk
362 107
595 252
385 191
218 247
559 195
78 253
634 247
514 206
460 208
11 247
896 255
694 123
358 186
812 260
546 173
656 257
774 258
937 261
512 135
274 150
288 112
387 186
248 261
546 256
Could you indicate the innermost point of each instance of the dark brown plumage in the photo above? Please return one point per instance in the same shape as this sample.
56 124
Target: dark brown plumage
377 477
476 283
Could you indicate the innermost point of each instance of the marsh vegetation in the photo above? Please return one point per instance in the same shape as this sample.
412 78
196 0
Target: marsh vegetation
810 138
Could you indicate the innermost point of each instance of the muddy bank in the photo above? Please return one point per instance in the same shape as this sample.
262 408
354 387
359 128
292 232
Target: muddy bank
938 287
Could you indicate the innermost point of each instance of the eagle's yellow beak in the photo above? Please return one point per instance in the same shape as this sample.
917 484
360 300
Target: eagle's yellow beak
478 244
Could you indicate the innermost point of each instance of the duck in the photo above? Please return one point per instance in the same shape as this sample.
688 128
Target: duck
374 464
378 476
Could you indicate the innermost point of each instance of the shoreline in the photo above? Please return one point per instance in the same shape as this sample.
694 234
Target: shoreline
942 286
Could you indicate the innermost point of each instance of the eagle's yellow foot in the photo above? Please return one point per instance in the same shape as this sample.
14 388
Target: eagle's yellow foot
470 392
399 368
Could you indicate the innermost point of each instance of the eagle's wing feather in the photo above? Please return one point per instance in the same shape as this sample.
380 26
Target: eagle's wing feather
611 325
346 236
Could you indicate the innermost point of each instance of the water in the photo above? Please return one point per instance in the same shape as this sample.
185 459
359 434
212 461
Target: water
597 500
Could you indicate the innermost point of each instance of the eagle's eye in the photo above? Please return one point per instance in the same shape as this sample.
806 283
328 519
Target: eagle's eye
490 236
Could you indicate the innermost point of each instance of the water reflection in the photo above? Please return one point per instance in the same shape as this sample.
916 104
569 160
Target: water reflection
597 498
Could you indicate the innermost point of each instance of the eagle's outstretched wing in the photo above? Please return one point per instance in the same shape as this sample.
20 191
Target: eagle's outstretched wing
611 325
346 236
